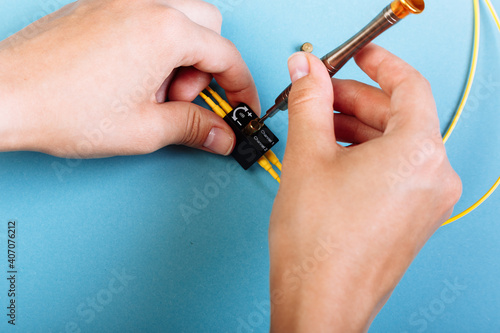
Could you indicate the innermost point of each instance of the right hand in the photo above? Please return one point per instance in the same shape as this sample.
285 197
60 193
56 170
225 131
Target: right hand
347 222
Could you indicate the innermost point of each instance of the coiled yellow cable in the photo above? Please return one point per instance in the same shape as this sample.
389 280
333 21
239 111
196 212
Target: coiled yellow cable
475 52
472 72
493 12
477 204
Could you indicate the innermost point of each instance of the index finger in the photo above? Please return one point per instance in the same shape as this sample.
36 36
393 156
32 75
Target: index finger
412 102
209 52
200 12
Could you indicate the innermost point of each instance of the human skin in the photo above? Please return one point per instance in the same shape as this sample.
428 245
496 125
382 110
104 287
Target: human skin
348 221
90 80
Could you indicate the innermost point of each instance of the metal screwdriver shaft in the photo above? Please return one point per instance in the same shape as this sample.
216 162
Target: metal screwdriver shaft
336 59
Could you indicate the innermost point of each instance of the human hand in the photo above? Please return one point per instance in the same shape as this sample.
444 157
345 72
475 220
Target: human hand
90 79
348 221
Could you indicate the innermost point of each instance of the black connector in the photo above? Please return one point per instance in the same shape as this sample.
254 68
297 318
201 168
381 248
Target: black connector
249 148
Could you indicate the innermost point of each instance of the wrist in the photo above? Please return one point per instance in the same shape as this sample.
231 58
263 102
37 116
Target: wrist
14 132
332 285
324 301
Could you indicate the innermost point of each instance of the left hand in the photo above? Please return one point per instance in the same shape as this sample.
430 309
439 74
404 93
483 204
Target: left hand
91 79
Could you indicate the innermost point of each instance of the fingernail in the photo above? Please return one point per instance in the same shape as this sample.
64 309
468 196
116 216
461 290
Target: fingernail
219 141
298 65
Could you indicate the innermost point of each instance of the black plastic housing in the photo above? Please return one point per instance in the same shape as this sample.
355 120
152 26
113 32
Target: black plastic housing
249 149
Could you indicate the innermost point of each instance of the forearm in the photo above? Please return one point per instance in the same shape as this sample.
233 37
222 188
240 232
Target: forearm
313 308
11 131
308 296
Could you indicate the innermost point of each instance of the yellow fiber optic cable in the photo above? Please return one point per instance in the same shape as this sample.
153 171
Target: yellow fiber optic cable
217 109
476 33
264 163
472 72
273 159
477 204
225 105
226 108
493 12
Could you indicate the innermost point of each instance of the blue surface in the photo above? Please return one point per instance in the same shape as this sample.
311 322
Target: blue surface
112 231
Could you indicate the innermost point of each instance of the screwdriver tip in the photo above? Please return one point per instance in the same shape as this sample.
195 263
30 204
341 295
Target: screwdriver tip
261 120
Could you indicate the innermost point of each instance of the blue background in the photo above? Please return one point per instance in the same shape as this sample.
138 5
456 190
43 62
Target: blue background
79 229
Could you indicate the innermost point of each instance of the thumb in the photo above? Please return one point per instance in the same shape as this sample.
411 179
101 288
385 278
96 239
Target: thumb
310 104
188 124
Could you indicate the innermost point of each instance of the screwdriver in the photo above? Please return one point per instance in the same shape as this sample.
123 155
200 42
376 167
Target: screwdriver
337 58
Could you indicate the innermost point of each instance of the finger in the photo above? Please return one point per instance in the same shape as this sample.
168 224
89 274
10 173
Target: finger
200 12
187 84
369 104
384 68
412 103
349 129
188 124
211 53
161 94
310 105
